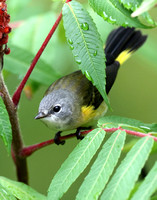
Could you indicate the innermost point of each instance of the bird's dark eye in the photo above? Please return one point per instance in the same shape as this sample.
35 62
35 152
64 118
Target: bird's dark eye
56 108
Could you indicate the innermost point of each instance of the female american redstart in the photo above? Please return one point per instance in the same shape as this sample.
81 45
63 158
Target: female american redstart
72 102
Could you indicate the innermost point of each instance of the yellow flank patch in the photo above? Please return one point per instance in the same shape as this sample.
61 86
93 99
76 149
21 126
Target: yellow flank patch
123 56
88 113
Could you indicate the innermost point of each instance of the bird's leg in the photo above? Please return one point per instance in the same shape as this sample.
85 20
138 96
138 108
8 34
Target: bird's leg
78 133
57 138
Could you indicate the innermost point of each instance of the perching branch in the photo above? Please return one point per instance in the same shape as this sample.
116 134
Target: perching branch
27 151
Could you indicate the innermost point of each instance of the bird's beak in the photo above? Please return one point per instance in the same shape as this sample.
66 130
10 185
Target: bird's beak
41 115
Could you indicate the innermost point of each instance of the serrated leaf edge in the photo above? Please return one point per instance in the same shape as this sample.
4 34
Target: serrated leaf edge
87 50
75 164
126 169
106 159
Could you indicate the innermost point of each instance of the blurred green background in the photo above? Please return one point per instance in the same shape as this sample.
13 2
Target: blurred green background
133 95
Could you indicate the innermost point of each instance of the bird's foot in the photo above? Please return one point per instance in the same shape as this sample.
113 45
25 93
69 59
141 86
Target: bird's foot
57 139
78 132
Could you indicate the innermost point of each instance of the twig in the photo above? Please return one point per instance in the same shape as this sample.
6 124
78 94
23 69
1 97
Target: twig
17 94
27 151
129 132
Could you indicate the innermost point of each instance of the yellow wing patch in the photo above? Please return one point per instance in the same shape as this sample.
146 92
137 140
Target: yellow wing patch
123 56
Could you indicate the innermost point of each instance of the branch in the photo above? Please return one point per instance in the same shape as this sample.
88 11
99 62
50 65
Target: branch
17 94
17 144
27 151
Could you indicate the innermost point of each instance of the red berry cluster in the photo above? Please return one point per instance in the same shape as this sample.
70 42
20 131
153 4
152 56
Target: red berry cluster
4 27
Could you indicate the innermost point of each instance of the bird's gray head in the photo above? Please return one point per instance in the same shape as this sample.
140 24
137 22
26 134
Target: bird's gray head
56 109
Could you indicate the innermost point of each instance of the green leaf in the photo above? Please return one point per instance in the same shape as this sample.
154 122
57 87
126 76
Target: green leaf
145 6
75 164
5 127
86 44
127 123
21 190
145 18
114 12
136 186
102 168
148 187
5 195
131 4
19 60
130 144
154 149
127 173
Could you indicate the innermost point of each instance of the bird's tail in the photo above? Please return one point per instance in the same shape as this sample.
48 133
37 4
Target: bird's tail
121 43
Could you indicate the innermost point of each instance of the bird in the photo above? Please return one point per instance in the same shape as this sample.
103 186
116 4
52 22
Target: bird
73 102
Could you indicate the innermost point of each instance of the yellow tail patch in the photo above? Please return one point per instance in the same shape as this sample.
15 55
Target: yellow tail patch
123 56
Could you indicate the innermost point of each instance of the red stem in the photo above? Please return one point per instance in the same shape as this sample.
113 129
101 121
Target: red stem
27 151
129 132
17 94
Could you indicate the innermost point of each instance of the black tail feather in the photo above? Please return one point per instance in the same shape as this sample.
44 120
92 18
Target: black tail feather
120 40
111 73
